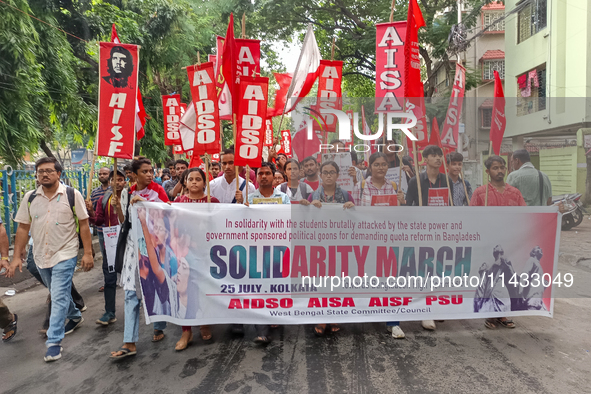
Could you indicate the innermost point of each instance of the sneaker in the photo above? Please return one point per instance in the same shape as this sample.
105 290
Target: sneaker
84 308
53 353
396 332
107 319
72 325
429 325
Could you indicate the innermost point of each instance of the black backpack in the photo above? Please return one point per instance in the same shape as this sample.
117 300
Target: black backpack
71 200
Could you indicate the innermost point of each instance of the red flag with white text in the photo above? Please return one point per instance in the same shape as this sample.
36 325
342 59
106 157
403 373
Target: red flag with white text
228 65
451 127
412 62
252 111
118 79
498 122
286 143
390 66
203 92
330 74
171 105
268 140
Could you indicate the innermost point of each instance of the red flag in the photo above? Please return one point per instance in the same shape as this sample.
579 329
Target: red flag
222 90
114 36
329 92
302 146
417 107
412 63
286 143
497 128
389 61
118 77
229 61
268 141
203 92
435 139
172 116
250 125
451 128
140 116
284 81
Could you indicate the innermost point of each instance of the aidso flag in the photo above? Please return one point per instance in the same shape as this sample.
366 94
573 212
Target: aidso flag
118 84
251 125
171 105
205 102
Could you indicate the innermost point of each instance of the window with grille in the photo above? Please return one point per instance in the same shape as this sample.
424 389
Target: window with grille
489 66
490 17
485 118
536 101
531 19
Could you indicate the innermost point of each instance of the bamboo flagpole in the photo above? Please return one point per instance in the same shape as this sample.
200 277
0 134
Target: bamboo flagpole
487 178
418 178
451 200
114 181
247 180
91 175
235 167
465 188
207 166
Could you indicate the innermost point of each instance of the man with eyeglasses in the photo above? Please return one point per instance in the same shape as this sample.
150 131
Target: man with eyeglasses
224 187
52 219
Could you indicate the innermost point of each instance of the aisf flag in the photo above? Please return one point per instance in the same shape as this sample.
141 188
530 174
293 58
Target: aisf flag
205 100
250 124
118 84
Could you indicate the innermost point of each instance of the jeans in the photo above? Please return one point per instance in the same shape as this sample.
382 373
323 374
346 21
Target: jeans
110 279
392 323
131 327
32 267
58 280
262 330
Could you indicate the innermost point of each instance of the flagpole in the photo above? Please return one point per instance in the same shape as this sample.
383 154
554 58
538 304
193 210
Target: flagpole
235 166
465 188
91 175
207 177
114 181
417 177
451 202
247 180
291 87
487 178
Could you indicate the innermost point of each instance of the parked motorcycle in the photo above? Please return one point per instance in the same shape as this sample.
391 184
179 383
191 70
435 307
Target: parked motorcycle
573 210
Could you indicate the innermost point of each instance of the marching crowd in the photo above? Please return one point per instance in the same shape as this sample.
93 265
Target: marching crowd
56 218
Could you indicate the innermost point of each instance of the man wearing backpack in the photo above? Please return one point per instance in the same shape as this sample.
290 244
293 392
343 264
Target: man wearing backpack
534 185
224 187
53 213
109 213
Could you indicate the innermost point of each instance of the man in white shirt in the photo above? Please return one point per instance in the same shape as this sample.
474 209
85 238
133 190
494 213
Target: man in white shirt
224 187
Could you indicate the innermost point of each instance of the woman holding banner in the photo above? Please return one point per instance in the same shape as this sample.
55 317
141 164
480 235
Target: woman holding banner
194 181
329 193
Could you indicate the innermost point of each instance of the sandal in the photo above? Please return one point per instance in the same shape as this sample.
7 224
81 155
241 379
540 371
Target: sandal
490 324
205 333
319 330
101 289
334 328
262 340
182 345
158 336
125 352
10 330
507 323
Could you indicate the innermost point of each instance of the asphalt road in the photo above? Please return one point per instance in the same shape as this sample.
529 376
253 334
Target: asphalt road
541 355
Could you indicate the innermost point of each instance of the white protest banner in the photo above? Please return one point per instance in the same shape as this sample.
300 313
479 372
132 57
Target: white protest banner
393 175
344 162
292 264
111 235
